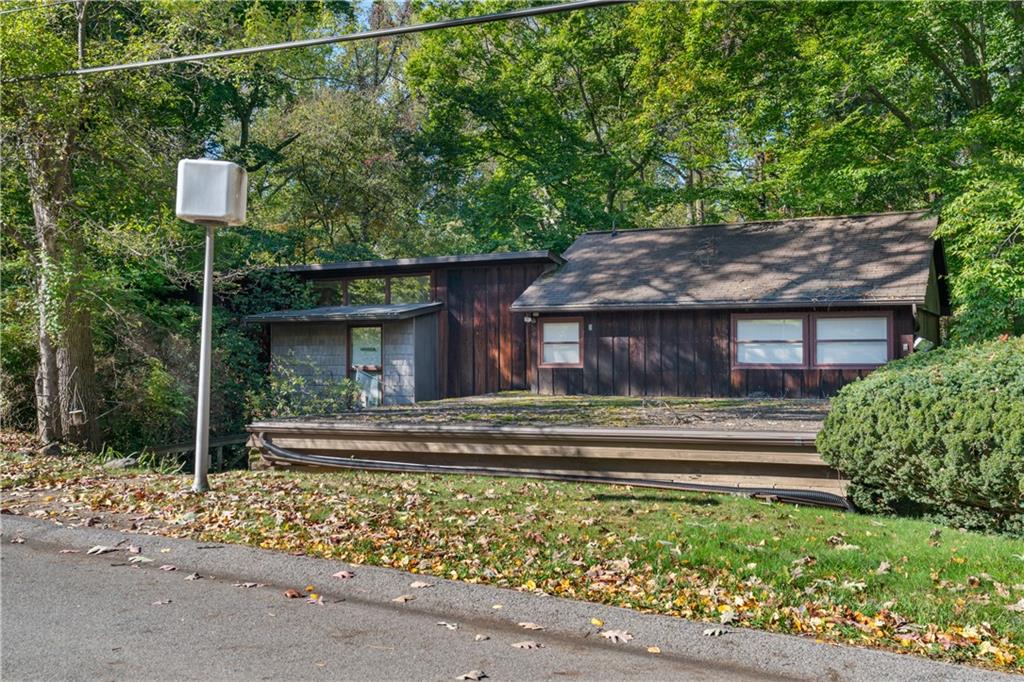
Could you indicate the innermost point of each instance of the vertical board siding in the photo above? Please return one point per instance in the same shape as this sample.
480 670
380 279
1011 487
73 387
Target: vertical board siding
685 353
484 345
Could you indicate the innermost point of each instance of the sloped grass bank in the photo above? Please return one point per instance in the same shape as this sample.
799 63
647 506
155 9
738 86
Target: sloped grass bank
867 580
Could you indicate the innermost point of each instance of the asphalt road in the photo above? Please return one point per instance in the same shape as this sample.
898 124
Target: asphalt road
72 616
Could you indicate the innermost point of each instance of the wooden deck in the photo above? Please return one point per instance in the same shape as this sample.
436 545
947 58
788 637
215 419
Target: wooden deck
778 460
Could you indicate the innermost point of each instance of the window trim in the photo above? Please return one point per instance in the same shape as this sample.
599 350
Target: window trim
889 333
541 321
736 317
810 340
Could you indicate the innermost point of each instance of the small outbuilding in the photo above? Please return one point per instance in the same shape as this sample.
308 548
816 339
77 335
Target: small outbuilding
775 308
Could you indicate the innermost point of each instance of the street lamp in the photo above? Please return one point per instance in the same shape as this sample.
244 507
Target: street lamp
210 193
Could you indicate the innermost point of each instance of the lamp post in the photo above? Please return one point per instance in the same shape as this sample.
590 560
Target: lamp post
212 194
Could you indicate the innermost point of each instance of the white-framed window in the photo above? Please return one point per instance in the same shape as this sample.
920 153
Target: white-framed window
561 342
851 341
770 341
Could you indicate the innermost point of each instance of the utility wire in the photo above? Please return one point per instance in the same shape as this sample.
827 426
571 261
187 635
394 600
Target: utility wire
37 6
328 40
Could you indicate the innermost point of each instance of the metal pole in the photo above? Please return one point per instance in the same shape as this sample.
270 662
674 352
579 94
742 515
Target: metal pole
200 484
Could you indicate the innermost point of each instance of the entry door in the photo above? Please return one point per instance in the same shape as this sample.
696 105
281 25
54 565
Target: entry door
365 344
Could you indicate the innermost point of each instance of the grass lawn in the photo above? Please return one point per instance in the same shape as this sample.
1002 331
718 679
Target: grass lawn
894 583
525 408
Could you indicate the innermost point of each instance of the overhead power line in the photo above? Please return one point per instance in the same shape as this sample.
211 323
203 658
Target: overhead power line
36 6
328 40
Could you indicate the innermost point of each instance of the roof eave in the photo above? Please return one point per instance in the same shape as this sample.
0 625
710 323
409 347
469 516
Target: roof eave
713 305
271 318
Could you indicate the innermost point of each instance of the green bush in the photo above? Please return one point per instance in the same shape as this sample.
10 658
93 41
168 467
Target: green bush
296 388
939 434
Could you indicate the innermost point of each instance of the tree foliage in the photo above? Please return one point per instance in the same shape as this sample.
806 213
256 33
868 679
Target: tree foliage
509 135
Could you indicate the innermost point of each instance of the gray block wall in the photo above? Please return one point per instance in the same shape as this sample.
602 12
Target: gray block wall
399 362
317 349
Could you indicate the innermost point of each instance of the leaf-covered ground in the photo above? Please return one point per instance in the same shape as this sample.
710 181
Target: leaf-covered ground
525 408
893 583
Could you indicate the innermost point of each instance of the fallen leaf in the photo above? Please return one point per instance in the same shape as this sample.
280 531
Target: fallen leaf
528 644
653 650
481 638
498 606
292 593
18 540
134 549
727 617
450 626
473 675
315 598
883 568
193 576
1018 607
139 559
715 632
344 575
249 585
616 636
310 588
596 621
402 598
160 603
168 567
419 584
69 551
165 550
100 549
531 626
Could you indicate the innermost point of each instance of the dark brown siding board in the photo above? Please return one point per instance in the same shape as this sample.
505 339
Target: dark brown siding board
702 353
479 293
652 358
792 383
439 280
831 380
493 342
590 356
669 353
504 339
687 360
811 381
635 339
518 336
620 324
720 354
605 354
455 331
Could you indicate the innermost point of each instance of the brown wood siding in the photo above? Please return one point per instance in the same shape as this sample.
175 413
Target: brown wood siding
484 345
688 353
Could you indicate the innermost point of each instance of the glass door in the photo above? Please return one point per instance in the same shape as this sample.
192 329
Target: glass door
366 363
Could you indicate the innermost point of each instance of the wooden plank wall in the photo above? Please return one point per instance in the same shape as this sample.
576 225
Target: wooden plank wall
483 344
682 353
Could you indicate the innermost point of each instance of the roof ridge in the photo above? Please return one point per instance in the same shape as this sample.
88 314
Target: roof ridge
755 222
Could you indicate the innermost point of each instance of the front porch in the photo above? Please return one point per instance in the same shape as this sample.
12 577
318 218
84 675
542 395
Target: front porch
734 444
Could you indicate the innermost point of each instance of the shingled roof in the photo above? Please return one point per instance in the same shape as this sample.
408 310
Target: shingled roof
850 260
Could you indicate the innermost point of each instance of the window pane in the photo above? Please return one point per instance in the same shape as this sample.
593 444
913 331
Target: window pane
851 352
568 353
328 293
410 289
769 330
852 328
366 291
771 353
366 346
561 332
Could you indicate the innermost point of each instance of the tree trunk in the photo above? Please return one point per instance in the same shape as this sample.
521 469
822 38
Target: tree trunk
48 422
79 406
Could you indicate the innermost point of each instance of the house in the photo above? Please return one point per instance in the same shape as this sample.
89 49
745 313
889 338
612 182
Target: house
795 308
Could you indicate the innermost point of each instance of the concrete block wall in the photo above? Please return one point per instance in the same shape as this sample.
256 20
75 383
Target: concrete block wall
318 349
399 362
